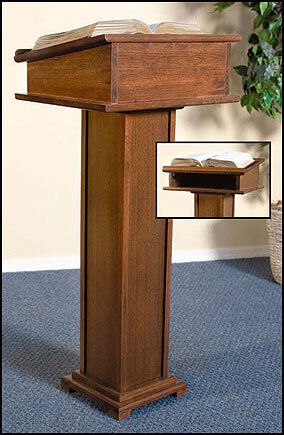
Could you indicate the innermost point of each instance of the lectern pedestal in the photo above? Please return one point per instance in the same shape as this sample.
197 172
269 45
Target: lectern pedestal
125 264
128 87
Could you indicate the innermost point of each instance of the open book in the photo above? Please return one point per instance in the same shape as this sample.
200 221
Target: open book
226 160
115 26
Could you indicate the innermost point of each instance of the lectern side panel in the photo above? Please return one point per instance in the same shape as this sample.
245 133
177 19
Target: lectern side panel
103 233
152 71
82 74
250 180
145 251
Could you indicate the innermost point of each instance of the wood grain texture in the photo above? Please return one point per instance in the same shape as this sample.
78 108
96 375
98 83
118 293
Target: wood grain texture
114 76
182 169
83 232
146 250
167 296
106 136
210 190
228 205
228 69
214 205
214 180
120 407
250 179
127 107
129 75
26 55
179 70
83 74
126 292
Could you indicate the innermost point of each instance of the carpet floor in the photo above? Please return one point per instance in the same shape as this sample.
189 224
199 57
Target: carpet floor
225 342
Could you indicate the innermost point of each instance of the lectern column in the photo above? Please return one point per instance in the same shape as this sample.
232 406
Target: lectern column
214 205
125 263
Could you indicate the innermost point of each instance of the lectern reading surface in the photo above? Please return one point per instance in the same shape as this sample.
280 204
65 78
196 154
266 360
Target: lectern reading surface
125 251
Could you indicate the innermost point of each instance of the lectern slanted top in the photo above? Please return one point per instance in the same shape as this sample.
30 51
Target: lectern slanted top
125 250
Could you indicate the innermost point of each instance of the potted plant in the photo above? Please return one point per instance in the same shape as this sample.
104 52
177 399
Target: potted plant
262 76
262 91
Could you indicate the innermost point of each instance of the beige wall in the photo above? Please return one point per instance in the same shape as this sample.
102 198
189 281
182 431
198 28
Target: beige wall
42 143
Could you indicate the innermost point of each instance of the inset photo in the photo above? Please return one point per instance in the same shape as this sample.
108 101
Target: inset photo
213 180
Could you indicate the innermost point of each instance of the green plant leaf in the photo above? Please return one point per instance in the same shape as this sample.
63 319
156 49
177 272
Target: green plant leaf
242 70
221 6
244 100
263 6
275 25
255 49
260 72
261 76
265 35
276 60
259 88
267 99
257 21
249 107
267 49
250 83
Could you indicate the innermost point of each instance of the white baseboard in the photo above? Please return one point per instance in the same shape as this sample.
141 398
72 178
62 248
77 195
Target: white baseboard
190 255
33 264
187 256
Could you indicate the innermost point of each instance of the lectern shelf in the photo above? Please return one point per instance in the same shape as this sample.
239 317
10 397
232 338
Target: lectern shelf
125 250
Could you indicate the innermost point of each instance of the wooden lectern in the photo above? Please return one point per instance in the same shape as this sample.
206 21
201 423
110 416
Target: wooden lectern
128 87
214 188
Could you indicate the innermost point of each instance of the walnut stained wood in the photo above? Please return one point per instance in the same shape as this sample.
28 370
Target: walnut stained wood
125 70
126 264
214 188
125 250
214 180
127 107
82 74
145 73
119 406
121 261
214 205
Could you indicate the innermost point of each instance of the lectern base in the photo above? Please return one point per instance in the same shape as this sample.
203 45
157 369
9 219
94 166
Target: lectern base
120 405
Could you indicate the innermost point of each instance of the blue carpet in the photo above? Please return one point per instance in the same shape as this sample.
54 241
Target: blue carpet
225 343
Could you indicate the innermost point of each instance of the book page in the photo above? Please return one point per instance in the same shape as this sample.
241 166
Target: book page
197 159
95 29
120 26
230 160
176 28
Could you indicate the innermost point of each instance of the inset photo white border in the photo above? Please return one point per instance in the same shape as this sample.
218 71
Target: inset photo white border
177 204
